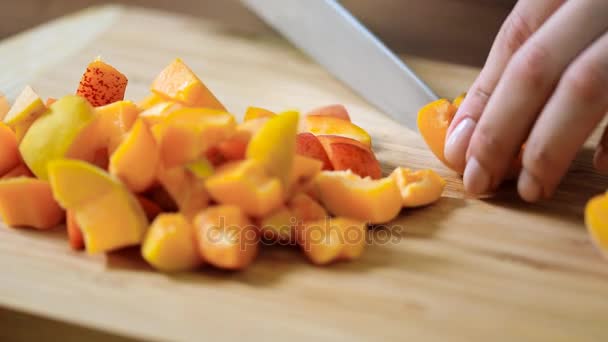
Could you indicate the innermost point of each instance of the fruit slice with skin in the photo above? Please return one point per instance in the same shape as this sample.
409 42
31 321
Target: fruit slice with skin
102 84
178 83
74 231
170 244
245 184
308 145
418 188
273 146
328 240
53 135
4 106
433 122
136 160
596 220
327 125
28 202
253 113
9 151
109 214
226 238
346 194
27 108
336 111
345 153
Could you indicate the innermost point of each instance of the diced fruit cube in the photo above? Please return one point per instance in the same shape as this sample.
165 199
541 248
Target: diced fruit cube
28 107
55 135
349 154
308 145
274 145
9 151
115 120
337 111
150 101
327 125
279 226
159 112
346 194
330 240
109 214
185 188
418 188
170 244
102 84
178 83
29 202
245 184
226 237
253 113
136 160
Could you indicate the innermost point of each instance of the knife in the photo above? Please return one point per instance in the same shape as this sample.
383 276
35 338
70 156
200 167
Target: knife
328 33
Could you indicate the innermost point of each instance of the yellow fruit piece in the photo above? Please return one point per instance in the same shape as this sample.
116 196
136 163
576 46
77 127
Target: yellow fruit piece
226 237
170 244
334 239
346 194
274 145
53 135
418 188
245 184
115 120
136 160
177 82
159 112
4 106
110 216
329 125
253 113
596 219
27 108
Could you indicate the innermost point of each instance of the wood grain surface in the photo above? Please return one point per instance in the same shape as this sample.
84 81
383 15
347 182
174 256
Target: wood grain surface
463 269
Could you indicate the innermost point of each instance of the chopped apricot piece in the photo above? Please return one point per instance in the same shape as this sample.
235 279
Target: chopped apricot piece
418 188
136 160
596 220
115 120
150 101
304 171
246 184
74 232
185 188
327 125
349 154
279 226
235 147
433 122
226 237
253 113
170 244
307 144
29 202
27 108
102 84
328 240
159 112
9 152
306 209
346 194
177 82
337 111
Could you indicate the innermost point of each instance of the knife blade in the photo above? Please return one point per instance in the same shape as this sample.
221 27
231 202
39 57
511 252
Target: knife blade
333 37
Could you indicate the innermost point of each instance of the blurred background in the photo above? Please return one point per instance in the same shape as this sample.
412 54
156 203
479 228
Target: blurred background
459 31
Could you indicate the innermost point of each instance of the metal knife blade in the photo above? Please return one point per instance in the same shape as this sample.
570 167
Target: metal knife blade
328 33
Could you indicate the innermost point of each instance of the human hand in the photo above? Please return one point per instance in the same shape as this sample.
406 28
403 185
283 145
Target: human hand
545 83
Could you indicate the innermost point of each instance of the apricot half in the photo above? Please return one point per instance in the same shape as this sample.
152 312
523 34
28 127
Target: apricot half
418 188
226 238
246 185
29 202
177 82
328 240
349 154
27 108
328 125
346 194
596 220
170 244
109 214
433 122
53 135
273 146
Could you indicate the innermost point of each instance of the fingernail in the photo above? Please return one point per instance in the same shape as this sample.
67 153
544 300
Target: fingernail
457 143
476 178
600 159
528 187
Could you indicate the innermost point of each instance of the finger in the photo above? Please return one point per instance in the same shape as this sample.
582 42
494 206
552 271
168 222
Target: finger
526 85
600 159
574 110
526 17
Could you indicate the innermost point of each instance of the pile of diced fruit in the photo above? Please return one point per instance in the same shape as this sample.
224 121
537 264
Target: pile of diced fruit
177 174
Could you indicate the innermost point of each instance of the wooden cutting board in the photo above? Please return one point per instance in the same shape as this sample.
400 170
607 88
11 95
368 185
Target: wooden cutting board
463 269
